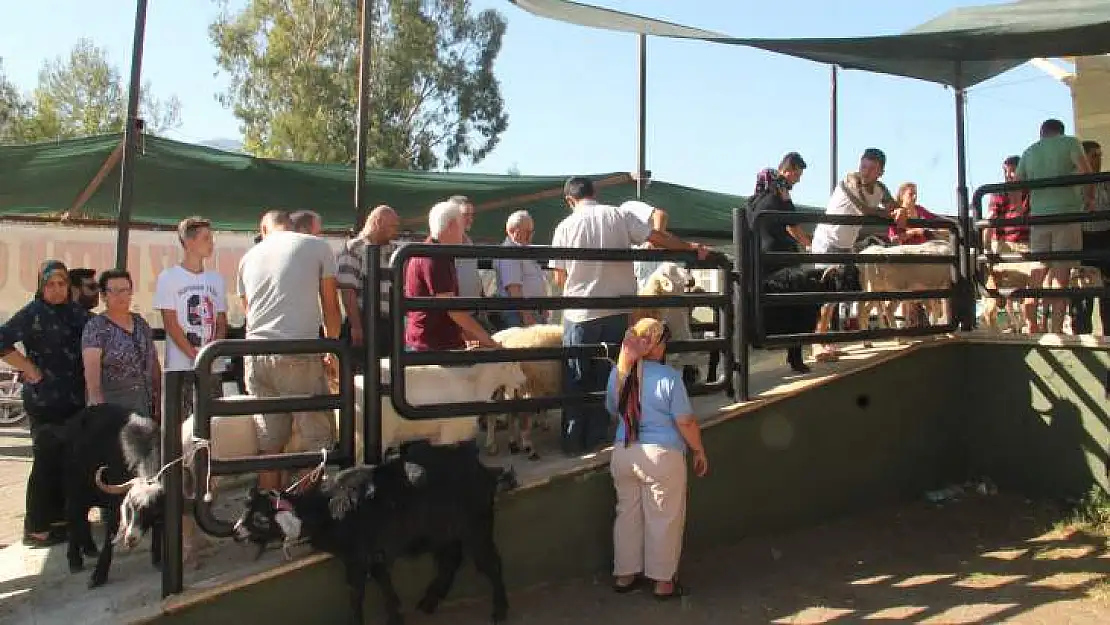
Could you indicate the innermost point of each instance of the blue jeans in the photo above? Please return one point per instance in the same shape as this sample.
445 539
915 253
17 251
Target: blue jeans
586 427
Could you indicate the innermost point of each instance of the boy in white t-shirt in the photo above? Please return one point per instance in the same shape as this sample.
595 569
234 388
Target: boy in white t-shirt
193 302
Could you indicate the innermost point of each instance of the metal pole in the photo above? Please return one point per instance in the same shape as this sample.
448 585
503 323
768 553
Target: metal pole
363 113
372 371
834 139
967 300
173 570
741 300
130 138
641 137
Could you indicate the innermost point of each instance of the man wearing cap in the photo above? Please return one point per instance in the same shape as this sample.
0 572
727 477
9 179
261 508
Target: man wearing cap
860 193
657 218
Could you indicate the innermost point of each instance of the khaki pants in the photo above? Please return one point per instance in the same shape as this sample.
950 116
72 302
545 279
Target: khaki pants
650 481
274 375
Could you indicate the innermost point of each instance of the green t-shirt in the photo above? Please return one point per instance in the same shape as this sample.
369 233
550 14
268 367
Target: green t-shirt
1048 158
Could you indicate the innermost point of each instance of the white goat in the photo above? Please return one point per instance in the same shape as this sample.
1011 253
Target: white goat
670 279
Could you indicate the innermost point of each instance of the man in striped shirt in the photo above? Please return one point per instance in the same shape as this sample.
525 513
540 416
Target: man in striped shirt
381 228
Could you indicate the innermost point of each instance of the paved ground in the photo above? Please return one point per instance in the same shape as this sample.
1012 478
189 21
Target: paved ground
15 463
982 560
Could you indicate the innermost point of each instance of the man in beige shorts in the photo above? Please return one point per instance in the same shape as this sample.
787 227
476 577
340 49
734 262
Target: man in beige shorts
286 281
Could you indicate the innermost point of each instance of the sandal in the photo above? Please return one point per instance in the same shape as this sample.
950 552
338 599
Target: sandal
677 592
42 542
622 589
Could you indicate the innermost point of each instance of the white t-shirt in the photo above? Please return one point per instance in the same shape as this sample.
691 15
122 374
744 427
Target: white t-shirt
828 236
466 270
598 226
197 298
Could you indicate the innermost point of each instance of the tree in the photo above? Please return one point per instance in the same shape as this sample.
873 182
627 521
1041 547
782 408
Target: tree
85 95
513 170
293 64
13 109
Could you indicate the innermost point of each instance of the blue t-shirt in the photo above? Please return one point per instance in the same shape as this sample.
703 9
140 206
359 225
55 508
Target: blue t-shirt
663 400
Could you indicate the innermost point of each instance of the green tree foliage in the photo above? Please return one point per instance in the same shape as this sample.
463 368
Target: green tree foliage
86 95
13 109
293 64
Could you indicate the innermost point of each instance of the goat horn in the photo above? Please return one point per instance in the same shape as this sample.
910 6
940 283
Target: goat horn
112 489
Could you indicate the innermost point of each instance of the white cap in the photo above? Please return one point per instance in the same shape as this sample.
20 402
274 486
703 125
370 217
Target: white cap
640 209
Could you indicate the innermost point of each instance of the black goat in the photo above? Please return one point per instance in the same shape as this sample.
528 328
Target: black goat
108 442
802 318
430 498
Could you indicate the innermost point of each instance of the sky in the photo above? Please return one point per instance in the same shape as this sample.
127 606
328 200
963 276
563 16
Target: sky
716 114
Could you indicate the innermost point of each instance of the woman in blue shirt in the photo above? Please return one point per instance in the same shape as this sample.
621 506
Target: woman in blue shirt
655 427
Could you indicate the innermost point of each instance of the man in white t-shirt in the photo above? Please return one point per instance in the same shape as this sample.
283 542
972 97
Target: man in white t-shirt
597 226
860 193
193 302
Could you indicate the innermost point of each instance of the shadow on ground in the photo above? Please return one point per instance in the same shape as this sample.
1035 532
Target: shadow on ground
981 560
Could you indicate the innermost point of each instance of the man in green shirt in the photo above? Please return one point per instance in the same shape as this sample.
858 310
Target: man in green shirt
1056 154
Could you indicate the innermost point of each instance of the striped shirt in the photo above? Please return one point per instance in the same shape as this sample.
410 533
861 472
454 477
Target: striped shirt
350 263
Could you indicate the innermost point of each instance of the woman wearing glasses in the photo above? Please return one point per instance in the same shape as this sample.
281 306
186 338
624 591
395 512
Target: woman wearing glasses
655 428
121 365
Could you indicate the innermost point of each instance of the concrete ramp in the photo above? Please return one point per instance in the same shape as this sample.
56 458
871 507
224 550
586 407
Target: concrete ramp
885 427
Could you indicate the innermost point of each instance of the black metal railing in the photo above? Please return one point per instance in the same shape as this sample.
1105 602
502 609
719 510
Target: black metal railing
755 304
206 407
1029 221
401 305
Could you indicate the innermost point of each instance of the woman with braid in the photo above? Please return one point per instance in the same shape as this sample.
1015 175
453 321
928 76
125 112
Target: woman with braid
655 427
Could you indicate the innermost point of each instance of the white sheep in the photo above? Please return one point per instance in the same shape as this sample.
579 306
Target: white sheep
435 384
900 277
671 279
543 378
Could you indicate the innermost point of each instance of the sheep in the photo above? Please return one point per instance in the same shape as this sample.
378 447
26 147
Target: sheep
671 279
890 277
543 378
435 384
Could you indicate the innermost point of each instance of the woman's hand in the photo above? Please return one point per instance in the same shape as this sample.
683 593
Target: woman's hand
701 463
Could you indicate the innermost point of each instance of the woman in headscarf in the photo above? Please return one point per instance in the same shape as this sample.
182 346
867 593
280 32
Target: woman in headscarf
655 428
121 365
49 327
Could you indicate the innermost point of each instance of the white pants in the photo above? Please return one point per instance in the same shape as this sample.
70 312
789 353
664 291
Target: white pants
650 481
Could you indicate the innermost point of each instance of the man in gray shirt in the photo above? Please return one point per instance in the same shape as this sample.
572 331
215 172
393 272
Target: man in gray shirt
286 281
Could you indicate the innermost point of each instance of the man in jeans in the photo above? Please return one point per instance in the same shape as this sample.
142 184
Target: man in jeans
285 282
597 226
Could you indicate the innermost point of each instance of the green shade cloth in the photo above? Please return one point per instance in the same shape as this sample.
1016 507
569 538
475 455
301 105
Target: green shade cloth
174 180
961 48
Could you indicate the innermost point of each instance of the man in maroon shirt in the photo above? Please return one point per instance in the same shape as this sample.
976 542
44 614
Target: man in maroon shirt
427 330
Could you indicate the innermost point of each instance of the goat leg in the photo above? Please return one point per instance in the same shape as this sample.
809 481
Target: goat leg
157 545
488 562
356 586
380 572
104 562
448 560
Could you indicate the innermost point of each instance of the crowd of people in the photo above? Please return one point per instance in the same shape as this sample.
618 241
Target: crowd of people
293 286
862 192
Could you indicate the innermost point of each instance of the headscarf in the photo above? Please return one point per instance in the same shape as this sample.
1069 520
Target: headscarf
638 342
769 180
47 269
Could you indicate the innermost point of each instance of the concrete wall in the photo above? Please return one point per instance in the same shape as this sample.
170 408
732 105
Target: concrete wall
1031 418
1091 98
